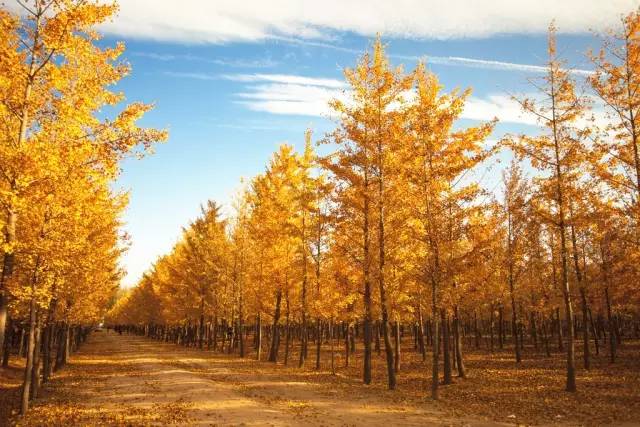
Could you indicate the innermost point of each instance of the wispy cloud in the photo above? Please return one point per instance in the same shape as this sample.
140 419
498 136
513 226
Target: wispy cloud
499 106
222 21
227 62
454 61
458 61
286 78
288 94
190 75
310 96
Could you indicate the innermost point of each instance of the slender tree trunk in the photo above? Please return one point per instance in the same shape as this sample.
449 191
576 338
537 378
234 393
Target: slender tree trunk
514 322
275 337
35 376
303 296
435 337
545 336
366 372
8 258
4 324
534 330
491 329
585 329
6 348
420 331
287 340
594 332
446 340
67 346
396 366
458 344
501 328
559 330
388 349
28 371
612 326
331 349
258 336
346 345
318 342
201 325
241 335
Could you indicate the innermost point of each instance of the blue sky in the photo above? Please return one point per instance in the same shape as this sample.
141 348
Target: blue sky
233 81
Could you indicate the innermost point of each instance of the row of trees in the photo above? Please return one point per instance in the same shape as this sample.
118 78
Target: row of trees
59 155
393 227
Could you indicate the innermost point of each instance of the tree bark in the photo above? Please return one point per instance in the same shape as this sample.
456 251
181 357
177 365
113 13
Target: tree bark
458 344
396 366
28 371
275 337
446 355
318 342
35 376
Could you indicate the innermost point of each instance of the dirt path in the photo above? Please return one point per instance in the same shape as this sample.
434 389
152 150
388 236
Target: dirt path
127 380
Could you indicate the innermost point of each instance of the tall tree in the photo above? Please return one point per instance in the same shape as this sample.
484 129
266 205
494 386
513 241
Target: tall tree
559 152
436 160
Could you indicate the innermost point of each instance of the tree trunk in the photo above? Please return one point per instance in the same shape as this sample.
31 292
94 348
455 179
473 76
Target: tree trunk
6 348
559 330
318 342
287 341
4 324
612 326
501 332
445 347
396 365
9 237
491 328
35 376
585 329
514 324
434 338
331 349
420 331
346 345
594 332
275 337
545 337
458 344
241 335
28 371
258 336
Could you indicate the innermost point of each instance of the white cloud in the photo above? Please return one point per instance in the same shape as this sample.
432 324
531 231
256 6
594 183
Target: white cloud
501 106
228 62
309 96
190 75
288 94
205 21
487 64
286 78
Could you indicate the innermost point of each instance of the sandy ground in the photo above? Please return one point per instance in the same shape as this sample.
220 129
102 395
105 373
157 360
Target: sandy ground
128 380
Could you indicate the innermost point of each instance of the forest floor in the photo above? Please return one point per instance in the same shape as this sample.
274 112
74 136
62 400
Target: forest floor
130 380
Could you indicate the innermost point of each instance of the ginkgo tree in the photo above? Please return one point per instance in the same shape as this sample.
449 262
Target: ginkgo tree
392 232
58 157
